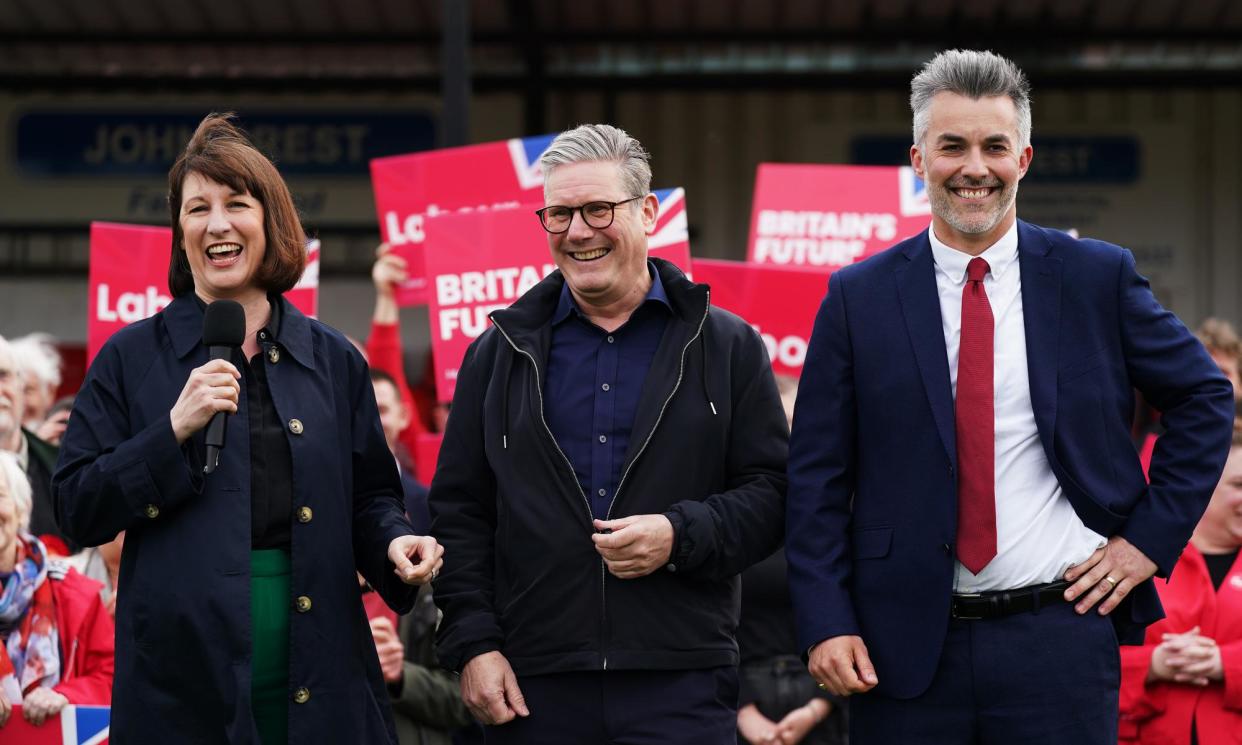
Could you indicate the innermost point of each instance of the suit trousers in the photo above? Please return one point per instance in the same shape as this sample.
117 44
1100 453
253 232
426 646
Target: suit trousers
626 707
1049 677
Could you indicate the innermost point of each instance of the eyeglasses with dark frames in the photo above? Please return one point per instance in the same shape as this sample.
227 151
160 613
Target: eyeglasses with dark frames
557 218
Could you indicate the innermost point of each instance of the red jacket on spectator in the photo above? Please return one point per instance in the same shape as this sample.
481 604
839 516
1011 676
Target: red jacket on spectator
86 638
1161 713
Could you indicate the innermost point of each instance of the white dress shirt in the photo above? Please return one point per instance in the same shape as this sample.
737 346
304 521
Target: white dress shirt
1038 534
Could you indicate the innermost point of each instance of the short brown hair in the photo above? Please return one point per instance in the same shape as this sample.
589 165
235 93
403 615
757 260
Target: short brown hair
219 150
1218 336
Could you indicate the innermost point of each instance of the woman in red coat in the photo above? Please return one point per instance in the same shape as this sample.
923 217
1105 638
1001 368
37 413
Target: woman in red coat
1184 685
56 637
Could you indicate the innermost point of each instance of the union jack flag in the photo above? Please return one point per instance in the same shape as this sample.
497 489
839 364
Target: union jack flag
914 201
671 223
525 152
76 725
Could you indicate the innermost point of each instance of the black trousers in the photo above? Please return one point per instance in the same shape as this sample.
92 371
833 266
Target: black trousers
626 707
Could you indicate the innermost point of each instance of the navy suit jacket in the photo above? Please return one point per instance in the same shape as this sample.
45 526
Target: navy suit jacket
872 508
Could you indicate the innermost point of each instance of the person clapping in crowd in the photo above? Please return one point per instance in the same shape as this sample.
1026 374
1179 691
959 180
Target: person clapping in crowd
1184 684
56 644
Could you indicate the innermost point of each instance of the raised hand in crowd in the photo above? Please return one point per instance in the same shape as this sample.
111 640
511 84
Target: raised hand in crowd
53 428
388 271
389 647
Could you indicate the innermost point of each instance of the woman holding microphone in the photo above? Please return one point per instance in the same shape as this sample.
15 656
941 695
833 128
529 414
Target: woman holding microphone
240 619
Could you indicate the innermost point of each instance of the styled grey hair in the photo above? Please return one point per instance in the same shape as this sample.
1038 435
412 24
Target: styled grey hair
18 488
588 143
36 355
967 72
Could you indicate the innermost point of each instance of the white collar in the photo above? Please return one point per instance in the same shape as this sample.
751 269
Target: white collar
1000 255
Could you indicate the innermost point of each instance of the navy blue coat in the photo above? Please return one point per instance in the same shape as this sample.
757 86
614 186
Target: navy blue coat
183 613
872 510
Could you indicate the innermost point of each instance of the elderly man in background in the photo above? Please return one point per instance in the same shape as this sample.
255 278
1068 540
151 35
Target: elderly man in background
36 457
614 458
40 364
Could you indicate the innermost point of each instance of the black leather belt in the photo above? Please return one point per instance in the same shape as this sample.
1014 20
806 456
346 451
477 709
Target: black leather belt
981 606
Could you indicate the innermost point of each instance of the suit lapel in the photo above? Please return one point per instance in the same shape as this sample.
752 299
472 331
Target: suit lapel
1041 311
920 305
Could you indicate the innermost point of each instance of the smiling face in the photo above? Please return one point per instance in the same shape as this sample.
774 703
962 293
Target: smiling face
603 266
972 160
224 239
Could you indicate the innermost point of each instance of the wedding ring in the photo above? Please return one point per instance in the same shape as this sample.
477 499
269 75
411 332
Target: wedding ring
1112 582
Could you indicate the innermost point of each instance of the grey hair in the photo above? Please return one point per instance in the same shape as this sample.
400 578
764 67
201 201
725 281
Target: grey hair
19 488
36 355
588 143
967 72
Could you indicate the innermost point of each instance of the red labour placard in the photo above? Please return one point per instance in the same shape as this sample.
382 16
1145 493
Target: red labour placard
780 302
409 189
830 216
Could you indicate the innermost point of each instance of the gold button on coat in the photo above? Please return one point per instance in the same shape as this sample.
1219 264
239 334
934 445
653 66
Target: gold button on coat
303 604
151 511
295 426
305 514
301 696
273 355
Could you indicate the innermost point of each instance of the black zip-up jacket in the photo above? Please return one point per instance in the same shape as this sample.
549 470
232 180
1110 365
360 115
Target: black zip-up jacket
708 449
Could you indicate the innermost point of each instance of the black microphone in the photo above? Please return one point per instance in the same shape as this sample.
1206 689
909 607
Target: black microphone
224 328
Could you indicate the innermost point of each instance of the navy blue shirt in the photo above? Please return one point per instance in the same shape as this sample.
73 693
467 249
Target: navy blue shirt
594 381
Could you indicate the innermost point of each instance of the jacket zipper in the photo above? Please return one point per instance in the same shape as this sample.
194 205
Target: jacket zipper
570 465
539 390
680 374
681 370
603 572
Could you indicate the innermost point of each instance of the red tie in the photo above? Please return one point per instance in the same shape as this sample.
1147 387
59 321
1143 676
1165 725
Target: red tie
976 439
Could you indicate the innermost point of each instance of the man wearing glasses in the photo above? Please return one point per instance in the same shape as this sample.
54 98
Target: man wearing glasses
614 458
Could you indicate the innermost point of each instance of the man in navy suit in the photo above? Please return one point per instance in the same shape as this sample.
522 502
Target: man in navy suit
966 512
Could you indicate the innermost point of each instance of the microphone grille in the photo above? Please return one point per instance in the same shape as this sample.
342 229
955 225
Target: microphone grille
224 324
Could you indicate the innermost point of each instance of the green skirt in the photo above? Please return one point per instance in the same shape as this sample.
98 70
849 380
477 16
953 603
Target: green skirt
269 628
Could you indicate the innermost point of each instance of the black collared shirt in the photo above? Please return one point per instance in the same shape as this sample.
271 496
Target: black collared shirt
594 382
271 463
